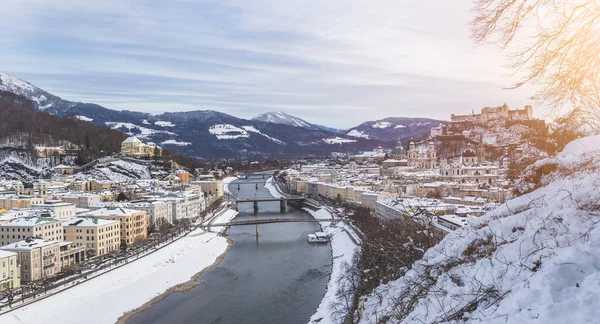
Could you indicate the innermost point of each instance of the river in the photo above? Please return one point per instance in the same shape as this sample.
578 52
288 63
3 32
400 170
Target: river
277 278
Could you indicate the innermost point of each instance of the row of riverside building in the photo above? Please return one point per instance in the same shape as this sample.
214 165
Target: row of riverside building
47 227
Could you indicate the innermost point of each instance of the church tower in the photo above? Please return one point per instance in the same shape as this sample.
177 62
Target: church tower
399 153
412 153
480 149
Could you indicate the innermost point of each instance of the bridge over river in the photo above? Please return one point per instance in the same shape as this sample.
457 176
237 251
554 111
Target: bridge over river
267 221
282 201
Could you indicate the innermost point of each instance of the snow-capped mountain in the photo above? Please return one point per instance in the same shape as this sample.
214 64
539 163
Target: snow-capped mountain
279 117
41 99
212 134
393 128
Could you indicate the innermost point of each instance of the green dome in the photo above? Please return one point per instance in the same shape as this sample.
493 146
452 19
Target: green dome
399 150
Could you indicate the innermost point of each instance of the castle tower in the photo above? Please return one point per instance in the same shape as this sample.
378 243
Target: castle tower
431 154
529 112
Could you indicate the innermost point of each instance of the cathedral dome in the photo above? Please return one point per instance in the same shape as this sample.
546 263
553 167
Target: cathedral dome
399 150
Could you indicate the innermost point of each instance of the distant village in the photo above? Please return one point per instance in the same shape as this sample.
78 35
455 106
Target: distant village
460 170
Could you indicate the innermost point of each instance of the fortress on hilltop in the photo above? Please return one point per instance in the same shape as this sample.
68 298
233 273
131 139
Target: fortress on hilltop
496 113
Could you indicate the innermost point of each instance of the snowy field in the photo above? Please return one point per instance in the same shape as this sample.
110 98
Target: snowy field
106 298
338 140
357 133
175 142
144 132
252 129
343 249
381 125
226 131
164 123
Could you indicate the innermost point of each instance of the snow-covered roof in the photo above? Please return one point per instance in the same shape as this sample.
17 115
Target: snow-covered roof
88 222
28 244
112 211
132 139
29 221
6 254
455 219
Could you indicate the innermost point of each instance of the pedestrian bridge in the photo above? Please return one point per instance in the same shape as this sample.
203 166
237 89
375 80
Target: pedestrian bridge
257 222
268 221
282 201
259 199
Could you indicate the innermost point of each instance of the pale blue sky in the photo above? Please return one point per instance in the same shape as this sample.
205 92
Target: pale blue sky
336 63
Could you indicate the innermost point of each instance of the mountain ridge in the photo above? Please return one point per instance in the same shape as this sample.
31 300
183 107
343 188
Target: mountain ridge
212 134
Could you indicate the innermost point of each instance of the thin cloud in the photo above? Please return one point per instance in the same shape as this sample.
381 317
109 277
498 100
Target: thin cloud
316 59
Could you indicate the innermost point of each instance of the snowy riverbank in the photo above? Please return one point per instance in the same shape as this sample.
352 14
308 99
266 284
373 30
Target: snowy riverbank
226 216
273 190
106 298
343 249
226 183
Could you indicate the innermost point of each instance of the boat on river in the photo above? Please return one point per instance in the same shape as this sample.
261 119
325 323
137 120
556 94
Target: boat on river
318 237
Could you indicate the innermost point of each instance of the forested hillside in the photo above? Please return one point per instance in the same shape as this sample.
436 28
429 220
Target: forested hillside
28 127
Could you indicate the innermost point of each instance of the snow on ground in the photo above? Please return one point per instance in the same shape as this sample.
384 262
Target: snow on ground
105 298
145 122
399 126
226 216
338 140
164 123
226 183
534 259
175 142
357 133
226 131
143 131
381 125
279 117
87 119
272 189
343 249
120 170
252 129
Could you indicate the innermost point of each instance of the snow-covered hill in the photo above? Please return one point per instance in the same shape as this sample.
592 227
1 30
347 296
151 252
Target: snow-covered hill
279 117
535 259
394 128
121 170
18 164
41 99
